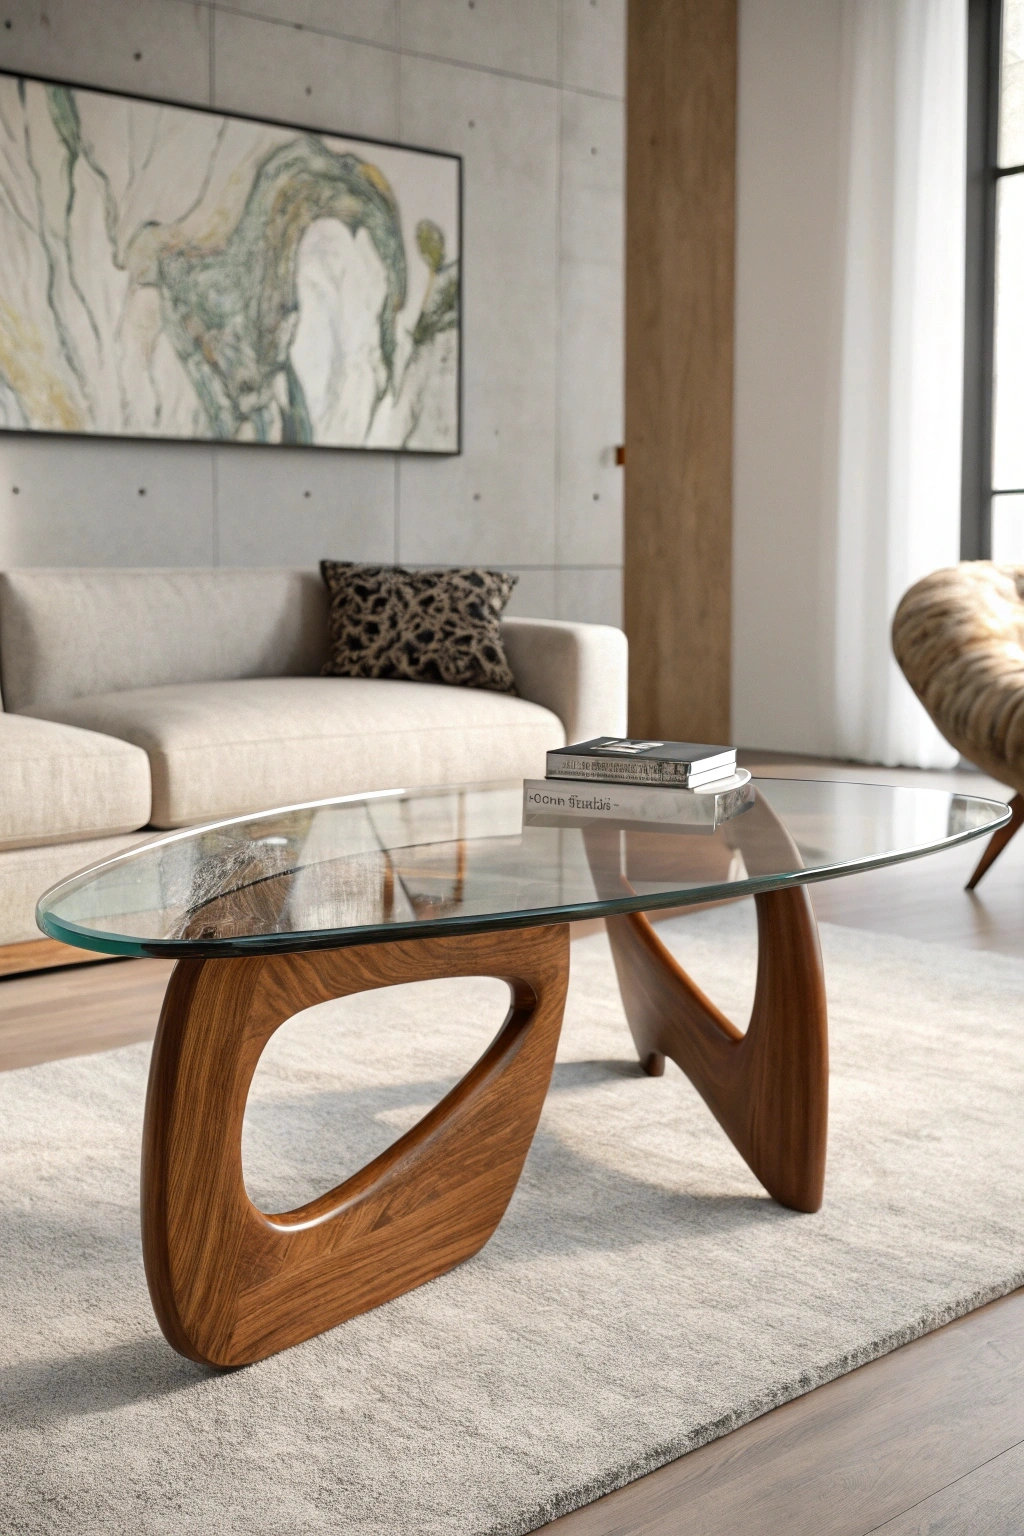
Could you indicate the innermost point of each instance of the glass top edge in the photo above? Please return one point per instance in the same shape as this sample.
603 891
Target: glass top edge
304 940
162 839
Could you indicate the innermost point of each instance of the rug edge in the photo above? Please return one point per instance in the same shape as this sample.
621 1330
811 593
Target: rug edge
926 1322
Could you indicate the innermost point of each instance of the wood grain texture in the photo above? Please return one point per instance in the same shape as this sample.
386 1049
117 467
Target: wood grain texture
55 1014
849 1456
767 1088
998 841
42 955
231 1284
680 237
989 1500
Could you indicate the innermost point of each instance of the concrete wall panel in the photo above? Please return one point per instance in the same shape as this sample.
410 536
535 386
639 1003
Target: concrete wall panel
589 595
287 506
594 45
72 501
534 596
516 36
369 21
304 77
542 268
589 521
147 46
495 502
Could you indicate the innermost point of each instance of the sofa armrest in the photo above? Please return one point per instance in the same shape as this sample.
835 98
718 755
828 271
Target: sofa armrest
578 671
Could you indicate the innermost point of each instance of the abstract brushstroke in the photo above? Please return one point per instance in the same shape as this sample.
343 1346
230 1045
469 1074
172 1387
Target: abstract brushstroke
171 273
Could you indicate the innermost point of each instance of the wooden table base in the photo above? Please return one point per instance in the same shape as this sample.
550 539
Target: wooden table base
231 1284
767 1088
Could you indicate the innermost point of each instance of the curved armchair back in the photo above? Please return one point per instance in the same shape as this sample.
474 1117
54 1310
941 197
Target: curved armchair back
958 635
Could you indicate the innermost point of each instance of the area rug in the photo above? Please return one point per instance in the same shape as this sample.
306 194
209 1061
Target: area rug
642 1296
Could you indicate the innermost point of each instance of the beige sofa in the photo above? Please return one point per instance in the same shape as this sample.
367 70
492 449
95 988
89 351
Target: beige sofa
162 698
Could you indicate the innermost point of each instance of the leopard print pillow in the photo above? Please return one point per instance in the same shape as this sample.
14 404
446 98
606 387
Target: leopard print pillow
427 626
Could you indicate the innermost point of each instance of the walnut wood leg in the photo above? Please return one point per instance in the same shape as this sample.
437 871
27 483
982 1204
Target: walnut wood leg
998 841
231 1284
768 1088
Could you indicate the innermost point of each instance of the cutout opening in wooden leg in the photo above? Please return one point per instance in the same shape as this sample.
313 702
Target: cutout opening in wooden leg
230 1284
768 1086
339 1083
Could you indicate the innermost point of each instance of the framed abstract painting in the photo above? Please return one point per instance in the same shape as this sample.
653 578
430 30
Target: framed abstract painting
176 273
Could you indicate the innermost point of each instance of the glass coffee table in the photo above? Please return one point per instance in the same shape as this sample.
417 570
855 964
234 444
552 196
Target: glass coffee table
269 914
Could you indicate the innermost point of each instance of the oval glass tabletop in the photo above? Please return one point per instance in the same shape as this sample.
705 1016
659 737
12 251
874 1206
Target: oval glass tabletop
399 863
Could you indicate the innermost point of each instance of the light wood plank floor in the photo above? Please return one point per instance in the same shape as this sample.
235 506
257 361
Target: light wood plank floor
928 1439
925 898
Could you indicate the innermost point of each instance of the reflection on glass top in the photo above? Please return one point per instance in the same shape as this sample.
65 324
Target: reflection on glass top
447 860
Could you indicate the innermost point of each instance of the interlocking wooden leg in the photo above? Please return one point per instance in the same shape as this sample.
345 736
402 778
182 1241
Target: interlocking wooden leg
231 1284
768 1088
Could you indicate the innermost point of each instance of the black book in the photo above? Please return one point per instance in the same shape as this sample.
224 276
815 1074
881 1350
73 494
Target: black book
629 760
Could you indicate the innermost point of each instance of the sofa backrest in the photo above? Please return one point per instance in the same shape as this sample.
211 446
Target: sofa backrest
68 634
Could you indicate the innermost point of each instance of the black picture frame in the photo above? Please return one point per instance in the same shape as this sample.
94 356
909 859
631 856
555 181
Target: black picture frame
316 132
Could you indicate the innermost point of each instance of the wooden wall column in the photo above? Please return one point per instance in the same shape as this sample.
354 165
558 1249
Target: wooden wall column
680 231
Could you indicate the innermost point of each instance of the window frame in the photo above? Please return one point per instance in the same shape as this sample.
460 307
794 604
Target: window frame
984 46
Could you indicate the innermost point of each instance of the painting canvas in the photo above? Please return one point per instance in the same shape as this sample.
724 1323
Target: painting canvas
170 273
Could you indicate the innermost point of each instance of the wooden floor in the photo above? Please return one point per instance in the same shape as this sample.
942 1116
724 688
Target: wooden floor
929 1439
924 898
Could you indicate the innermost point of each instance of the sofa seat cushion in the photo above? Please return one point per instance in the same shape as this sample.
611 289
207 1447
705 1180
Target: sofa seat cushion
25 873
222 749
60 784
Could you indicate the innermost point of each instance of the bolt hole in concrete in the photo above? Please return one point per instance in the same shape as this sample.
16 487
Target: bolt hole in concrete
339 1083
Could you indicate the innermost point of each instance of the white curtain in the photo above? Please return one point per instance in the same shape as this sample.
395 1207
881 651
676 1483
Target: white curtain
899 355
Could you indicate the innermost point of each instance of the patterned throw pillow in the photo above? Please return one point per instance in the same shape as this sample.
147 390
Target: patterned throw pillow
427 626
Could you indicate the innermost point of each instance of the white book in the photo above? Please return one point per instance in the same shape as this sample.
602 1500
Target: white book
564 802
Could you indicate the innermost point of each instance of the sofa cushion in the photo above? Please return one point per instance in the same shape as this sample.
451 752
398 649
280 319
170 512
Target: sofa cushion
221 749
76 633
59 784
25 873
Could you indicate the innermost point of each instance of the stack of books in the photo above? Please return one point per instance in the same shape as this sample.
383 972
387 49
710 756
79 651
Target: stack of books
635 783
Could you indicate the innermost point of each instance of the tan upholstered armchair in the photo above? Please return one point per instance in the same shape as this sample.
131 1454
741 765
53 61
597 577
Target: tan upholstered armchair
958 634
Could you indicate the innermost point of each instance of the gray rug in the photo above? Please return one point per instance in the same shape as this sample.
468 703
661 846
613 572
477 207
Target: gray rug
642 1296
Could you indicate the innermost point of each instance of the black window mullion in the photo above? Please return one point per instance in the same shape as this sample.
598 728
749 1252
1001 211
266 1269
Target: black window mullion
984 29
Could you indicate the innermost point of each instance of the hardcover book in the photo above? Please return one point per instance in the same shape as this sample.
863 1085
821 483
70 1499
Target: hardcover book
559 803
629 760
